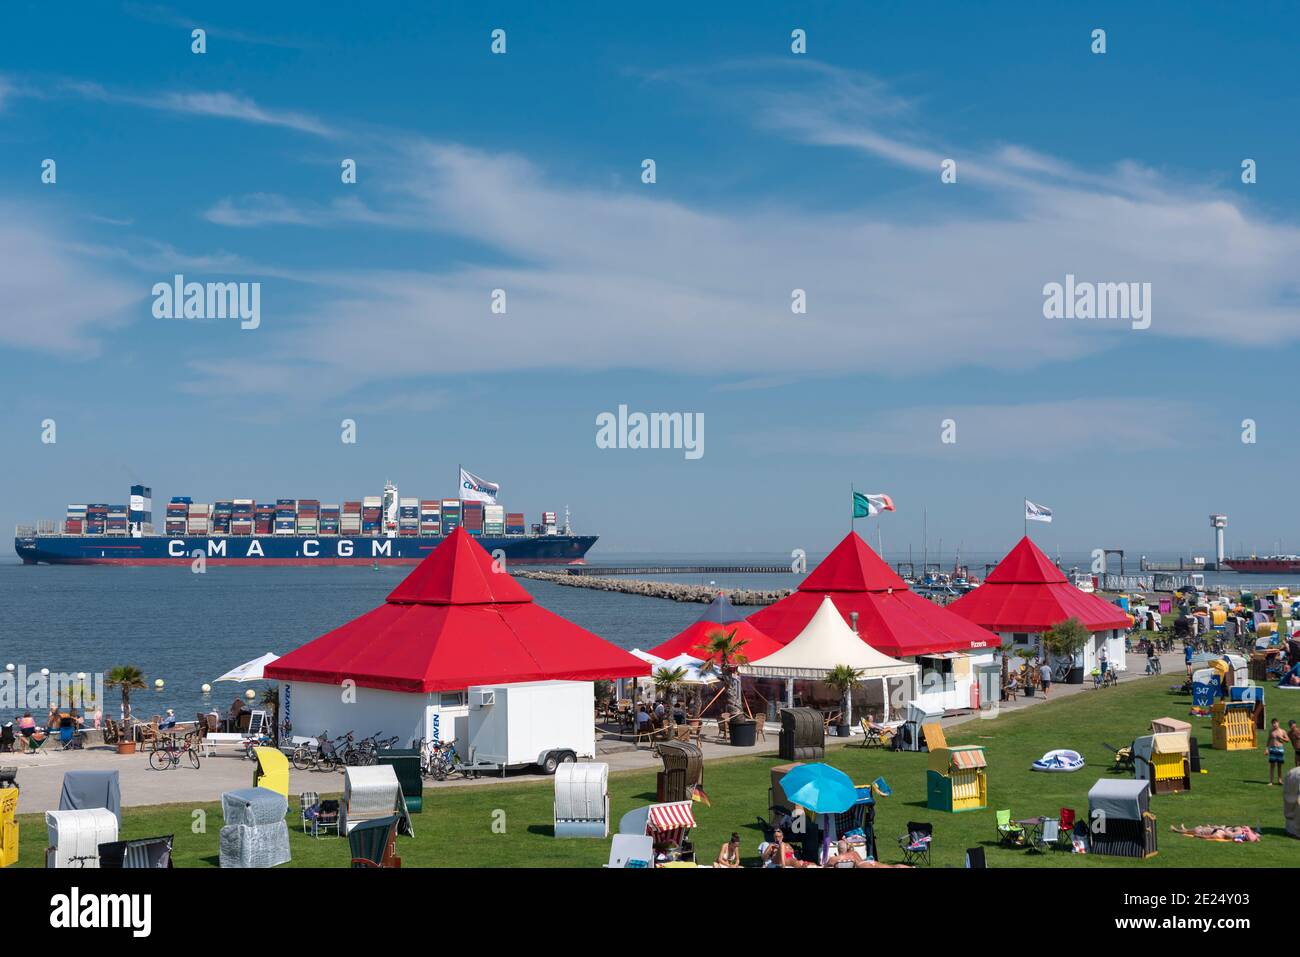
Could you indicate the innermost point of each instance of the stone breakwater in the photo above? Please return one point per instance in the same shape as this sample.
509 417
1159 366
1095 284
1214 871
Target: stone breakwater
674 591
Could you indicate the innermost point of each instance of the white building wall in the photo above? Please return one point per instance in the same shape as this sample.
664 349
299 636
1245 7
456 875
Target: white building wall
315 708
1088 659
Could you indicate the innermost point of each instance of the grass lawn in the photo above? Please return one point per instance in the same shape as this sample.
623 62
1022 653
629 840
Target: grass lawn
456 828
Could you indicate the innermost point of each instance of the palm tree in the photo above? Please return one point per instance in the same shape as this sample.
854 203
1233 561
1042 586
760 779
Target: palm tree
666 681
723 655
844 678
129 678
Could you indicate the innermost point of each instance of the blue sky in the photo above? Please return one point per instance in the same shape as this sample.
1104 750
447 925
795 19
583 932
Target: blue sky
774 172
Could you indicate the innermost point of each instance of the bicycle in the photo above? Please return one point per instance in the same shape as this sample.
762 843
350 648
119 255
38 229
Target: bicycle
169 754
439 760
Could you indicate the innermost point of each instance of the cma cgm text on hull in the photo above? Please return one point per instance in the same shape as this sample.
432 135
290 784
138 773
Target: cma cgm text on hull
280 550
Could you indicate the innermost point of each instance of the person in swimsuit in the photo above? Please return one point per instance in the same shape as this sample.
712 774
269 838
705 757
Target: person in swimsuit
780 854
1219 832
1293 732
1277 742
729 855
843 856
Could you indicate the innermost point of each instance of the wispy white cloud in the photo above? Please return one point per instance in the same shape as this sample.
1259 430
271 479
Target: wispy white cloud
219 104
155 13
57 298
1050 431
270 209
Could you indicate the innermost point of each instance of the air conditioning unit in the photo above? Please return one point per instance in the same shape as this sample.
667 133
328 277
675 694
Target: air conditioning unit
484 698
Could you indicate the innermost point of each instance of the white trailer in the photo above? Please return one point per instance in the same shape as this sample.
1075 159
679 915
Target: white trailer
533 723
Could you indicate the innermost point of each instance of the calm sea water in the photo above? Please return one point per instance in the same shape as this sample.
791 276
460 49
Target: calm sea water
187 629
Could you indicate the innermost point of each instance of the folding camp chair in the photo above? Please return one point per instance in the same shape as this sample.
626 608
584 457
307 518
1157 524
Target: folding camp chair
316 814
1123 757
7 738
1051 835
915 844
373 843
1009 833
34 742
70 738
975 858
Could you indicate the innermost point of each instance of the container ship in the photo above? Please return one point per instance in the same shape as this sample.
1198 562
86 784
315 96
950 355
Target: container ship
1265 565
376 530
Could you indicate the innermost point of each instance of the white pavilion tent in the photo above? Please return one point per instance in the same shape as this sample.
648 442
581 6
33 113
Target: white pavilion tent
825 642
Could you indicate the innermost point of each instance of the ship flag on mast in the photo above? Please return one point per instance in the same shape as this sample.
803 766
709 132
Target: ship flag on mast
867 505
1037 513
475 489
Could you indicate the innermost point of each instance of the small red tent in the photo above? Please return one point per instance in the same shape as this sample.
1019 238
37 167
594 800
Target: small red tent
891 617
453 622
721 615
1027 593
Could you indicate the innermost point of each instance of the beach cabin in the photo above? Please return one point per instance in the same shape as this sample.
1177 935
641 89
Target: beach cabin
1121 822
1233 725
1026 594
957 779
1165 761
406 668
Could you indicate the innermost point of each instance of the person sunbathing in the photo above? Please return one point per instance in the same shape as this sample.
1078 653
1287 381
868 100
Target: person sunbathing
729 855
780 854
1219 832
843 856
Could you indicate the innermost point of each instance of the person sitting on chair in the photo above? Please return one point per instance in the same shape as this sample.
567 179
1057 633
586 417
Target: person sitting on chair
778 853
729 854
232 717
27 725
843 856
168 722
642 719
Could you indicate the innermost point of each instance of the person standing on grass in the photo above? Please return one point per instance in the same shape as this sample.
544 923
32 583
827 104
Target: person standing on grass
1277 742
1293 732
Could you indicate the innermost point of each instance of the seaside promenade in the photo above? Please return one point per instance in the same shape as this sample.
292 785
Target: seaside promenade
40 776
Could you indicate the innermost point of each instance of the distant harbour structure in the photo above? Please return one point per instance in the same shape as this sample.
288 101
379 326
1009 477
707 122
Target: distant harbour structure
1218 523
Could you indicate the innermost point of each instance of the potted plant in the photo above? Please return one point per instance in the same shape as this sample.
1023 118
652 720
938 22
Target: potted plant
271 701
1027 656
1065 640
129 678
723 655
844 678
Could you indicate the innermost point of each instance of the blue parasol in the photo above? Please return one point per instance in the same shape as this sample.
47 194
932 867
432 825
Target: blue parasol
820 788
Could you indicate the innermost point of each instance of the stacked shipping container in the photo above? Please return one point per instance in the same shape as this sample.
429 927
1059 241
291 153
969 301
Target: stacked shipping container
428 518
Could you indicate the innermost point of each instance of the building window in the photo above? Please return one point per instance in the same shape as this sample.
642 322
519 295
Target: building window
452 699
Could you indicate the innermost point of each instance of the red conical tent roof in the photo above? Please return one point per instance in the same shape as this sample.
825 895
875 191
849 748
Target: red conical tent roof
852 566
695 635
458 572
891 617
453 622
1027 593
1025 565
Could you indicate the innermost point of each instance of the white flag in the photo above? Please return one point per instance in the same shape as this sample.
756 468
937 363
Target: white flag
1037 513
475 489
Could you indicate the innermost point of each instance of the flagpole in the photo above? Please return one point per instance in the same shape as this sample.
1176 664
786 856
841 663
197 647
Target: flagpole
853 512
1026 504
